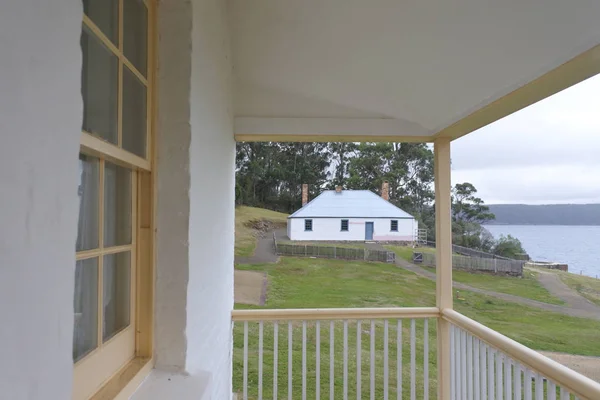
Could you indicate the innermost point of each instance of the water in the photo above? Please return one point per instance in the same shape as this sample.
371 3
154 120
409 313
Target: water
577 246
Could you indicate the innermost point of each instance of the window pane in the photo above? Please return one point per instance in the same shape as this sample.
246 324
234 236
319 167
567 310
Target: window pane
134 114
89 182
117 205
105 14
135 33
85 306
99 86
115 295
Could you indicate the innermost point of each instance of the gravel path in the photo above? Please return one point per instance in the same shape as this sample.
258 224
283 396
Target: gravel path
264 252
558 288
588 312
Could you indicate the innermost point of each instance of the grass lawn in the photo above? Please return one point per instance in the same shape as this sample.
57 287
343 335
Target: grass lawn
245 236
527 286
313 283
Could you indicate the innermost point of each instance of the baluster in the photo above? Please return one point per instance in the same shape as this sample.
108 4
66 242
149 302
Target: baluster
318 362
289 361
399 360
260 359
331 360
425 360
413 360
385 360
372 387
245 394
303 360
275 357
345 355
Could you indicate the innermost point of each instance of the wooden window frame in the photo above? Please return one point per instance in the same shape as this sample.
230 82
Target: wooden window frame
308 222
123 382
347 225
392 225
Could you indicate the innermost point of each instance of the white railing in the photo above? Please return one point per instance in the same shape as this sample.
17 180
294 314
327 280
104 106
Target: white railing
382 353
488 365
388 353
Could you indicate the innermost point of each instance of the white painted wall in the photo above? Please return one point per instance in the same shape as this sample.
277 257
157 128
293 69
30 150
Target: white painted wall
212 199
195 207
330 229
40 124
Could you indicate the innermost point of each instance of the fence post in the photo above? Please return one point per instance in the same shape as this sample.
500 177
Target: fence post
305 251
495 265
334 251
365 254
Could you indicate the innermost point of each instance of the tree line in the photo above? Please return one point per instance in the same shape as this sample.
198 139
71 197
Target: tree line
270 175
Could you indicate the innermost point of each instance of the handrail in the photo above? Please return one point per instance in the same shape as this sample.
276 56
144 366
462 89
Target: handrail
576 383
303 314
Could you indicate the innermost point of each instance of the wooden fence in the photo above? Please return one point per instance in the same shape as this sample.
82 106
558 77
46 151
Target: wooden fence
344 253
465 251
491 265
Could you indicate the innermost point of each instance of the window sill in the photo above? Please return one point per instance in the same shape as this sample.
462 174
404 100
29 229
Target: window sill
125 382
161 385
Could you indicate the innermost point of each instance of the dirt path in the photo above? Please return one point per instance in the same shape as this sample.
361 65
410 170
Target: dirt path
592 313
264 252
558 288
250 287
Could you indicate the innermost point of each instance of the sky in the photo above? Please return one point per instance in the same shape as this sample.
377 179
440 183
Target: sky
546 153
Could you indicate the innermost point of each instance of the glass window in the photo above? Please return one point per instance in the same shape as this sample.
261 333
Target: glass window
105 14
85 306
344 225
117 205
134 114
135 33
88 193
308 224
394 225
99 85
116 293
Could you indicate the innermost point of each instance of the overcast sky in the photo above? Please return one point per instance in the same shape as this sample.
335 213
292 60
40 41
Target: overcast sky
546 153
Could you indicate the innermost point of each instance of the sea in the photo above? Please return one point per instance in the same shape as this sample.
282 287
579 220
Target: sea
577 246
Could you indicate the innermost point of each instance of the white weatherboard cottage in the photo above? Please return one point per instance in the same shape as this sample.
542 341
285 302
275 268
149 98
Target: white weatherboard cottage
351 215
119 121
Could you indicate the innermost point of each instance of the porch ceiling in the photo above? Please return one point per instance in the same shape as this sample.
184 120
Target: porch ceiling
401 70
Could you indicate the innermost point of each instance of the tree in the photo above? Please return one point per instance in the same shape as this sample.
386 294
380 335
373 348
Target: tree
468 214
508 246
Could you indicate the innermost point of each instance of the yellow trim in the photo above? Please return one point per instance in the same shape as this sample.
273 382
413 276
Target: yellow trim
97 147
120 79
84 255
578 69
322 314
574 382
330 138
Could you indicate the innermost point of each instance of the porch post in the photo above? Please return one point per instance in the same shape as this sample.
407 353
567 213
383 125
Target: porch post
443 240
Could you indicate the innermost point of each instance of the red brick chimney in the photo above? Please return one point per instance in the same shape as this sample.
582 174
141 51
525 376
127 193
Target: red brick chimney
385 190
304 194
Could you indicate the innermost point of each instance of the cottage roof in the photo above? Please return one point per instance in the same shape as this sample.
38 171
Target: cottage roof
350 204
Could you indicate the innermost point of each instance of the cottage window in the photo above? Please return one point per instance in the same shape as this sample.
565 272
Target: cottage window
308 224
113 245
394 225
344 225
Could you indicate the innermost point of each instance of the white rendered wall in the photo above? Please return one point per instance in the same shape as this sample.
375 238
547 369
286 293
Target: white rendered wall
196 181
212 200
330 229
40 125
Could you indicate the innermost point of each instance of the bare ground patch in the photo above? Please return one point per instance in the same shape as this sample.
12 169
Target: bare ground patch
250 287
